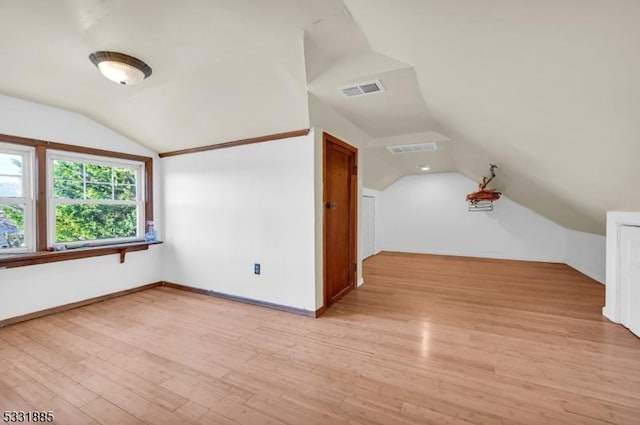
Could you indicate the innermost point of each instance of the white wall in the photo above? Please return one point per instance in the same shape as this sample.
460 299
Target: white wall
254 192
587 253
428 214
263 203
27 289
227 209
323 118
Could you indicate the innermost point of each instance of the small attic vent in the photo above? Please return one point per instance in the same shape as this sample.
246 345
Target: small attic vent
361 89
417 147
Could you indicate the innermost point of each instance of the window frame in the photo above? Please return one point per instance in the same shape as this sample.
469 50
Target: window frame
27 199
40 252
53 202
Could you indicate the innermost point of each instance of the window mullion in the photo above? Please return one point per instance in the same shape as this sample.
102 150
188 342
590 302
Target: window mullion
66 201
84 181
113 183
11 201
40 187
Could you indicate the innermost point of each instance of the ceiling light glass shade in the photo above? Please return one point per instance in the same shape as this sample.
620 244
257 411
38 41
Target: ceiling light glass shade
120 68
121 72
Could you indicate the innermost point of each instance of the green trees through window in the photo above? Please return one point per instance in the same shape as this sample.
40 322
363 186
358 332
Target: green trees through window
12 204
55 196
95 201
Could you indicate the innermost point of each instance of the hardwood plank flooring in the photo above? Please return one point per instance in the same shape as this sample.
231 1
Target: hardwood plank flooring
426 340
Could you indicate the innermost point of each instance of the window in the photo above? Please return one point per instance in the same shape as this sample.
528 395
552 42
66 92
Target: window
17 226
94 199
55 196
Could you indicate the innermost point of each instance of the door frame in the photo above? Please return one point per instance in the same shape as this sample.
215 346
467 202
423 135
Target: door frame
374 225
353 216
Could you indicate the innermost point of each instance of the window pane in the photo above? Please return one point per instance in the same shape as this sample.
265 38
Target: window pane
94 222
125 176
99 191
99 173
77 180
12 226
125 193
10 175
68 189
10 187
67 170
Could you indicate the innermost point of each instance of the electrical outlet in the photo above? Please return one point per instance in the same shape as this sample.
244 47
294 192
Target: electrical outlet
256 268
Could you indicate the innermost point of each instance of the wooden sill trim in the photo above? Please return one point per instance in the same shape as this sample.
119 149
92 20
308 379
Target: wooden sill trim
29 259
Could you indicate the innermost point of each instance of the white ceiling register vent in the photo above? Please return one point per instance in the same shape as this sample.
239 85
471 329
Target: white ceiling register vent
361 89
417 147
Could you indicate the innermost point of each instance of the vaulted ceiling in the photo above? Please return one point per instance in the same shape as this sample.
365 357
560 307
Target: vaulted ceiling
548 90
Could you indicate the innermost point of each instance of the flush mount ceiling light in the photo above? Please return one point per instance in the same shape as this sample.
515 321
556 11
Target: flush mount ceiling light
120 68
423 167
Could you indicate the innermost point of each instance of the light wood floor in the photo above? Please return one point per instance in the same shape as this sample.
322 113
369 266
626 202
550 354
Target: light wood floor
427 339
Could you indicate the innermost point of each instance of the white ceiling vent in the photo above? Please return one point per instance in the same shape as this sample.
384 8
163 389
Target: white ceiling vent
361 89
417 147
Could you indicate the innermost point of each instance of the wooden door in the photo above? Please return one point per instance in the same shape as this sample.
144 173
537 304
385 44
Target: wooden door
340 204
630 278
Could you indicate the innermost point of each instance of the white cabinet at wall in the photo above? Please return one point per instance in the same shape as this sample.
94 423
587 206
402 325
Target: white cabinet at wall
630 278
623 270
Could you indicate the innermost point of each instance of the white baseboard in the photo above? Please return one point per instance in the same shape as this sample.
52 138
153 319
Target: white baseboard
606 313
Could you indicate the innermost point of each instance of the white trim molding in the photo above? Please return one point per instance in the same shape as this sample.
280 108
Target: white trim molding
615 219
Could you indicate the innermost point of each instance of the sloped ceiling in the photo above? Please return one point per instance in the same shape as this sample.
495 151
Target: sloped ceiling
222 70
548 90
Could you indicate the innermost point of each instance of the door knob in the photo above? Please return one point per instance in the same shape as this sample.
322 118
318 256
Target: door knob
331 205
